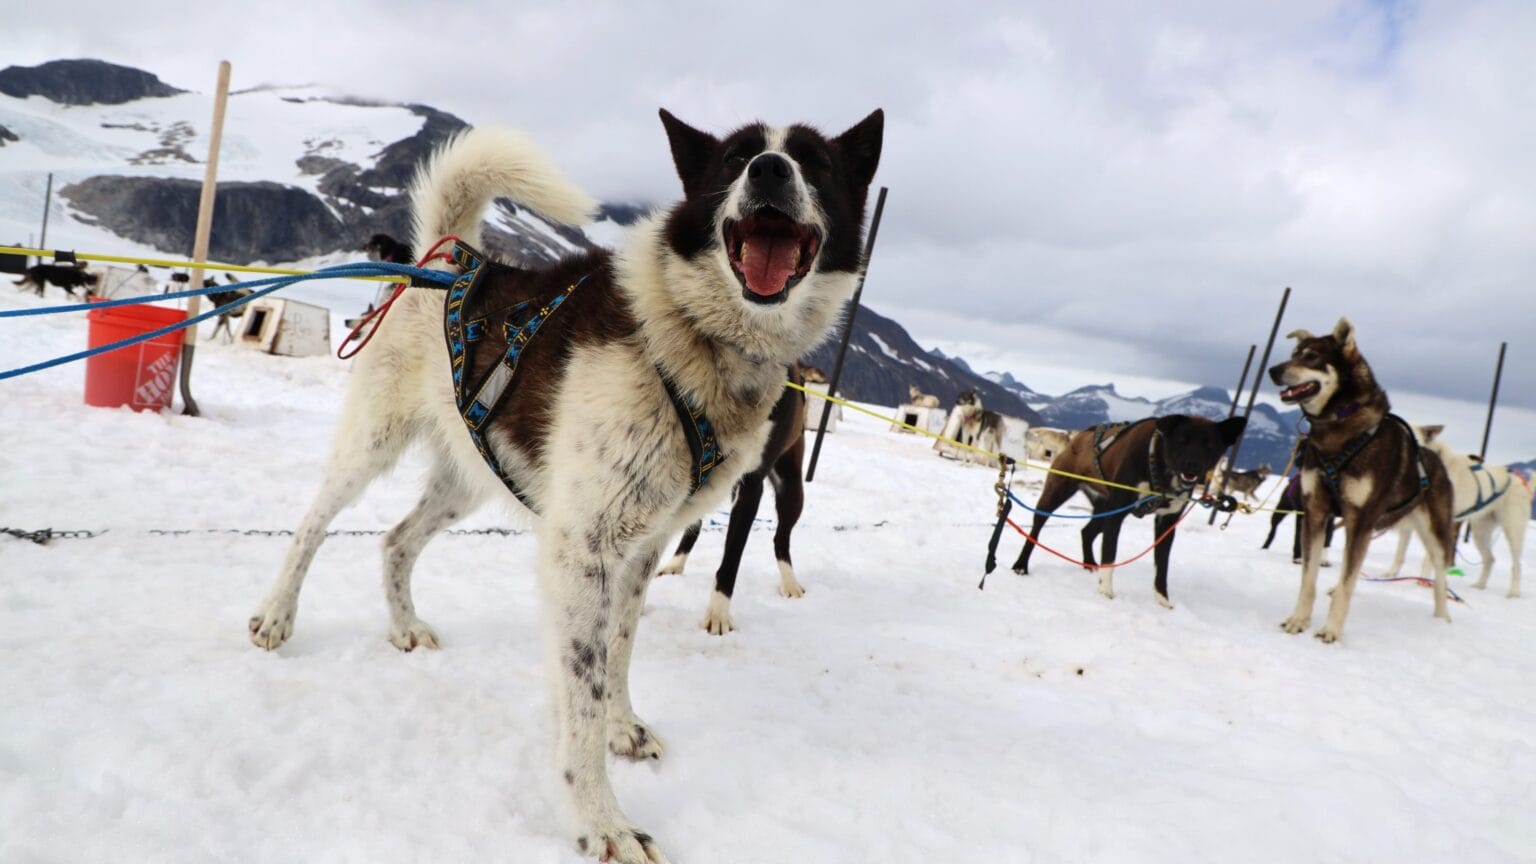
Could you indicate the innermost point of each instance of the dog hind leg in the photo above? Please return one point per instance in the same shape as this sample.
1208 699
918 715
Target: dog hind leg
443 502
674 566
1512 519
1404 532
1057 492
367 443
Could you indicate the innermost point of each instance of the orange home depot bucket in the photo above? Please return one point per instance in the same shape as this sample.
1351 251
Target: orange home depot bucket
142 375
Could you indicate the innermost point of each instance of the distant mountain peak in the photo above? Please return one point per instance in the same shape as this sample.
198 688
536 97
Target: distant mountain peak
83 82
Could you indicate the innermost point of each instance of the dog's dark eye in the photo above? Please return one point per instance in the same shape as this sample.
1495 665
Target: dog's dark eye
809 157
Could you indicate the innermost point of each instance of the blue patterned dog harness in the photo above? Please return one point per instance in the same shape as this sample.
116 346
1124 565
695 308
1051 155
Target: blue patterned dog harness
469 329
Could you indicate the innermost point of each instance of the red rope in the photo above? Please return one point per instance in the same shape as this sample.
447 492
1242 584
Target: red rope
376 316
1137 557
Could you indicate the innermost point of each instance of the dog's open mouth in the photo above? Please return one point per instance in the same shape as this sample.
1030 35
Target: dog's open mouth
770 253
1300 393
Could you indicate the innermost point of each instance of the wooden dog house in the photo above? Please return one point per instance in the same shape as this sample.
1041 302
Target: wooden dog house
287 327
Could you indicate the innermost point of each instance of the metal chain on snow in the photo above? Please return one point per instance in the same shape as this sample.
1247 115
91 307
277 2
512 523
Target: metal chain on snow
43 535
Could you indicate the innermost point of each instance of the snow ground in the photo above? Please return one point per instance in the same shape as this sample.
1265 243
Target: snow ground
895 713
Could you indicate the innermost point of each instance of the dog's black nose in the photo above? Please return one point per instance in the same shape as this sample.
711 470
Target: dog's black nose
769 172
1275 372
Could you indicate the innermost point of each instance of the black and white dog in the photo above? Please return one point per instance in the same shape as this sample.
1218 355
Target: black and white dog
711 300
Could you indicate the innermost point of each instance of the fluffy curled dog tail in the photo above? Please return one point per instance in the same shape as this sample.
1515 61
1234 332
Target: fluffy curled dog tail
452 189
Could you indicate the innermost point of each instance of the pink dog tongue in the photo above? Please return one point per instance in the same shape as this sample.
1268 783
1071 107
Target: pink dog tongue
768 262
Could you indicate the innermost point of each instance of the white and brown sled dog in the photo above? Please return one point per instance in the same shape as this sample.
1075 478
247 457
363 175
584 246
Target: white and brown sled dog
1359 461
1487 497
648 365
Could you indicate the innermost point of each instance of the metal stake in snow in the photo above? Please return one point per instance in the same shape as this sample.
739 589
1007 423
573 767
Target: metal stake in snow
1493 400
853 309
204 228
1236 394
1258 378
47 202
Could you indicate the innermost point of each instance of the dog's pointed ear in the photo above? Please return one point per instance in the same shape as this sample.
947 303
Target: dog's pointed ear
1430 433
1344 334
860 147
1299 335
1231 429
692 151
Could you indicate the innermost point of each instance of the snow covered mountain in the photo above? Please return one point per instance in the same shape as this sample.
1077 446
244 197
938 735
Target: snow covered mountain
304 171
308 174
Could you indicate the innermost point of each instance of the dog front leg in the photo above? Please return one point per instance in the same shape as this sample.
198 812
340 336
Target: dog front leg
1111 547
749 494
578 595
627 734
1311 557
1160 555
1357 540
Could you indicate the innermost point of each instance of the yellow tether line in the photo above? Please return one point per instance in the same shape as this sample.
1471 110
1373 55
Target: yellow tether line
998 456
162 262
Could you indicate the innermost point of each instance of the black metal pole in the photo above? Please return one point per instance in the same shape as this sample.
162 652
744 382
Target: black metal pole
1493 400
853 309
42 242
1237 394
1253 392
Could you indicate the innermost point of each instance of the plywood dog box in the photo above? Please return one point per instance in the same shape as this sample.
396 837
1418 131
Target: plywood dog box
287 327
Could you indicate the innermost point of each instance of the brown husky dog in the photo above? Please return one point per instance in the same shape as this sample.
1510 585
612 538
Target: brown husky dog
1164 456
1362 462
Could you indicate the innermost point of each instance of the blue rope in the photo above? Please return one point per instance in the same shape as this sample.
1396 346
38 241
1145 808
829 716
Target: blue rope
1116 512
358 269
371 268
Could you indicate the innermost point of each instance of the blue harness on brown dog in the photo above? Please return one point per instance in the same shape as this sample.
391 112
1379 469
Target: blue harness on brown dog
477 321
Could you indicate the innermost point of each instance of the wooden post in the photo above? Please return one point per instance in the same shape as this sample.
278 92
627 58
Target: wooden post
204 229
1253 393
853 310
1236 395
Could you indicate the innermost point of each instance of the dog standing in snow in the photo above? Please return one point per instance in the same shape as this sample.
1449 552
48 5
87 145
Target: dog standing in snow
644 391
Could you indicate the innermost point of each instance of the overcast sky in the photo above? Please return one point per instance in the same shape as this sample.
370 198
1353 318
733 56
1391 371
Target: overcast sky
1079 191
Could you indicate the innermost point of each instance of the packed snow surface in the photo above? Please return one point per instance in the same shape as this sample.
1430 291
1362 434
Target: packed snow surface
895 713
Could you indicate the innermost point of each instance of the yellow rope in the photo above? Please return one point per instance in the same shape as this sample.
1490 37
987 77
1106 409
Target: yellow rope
190 265
998 456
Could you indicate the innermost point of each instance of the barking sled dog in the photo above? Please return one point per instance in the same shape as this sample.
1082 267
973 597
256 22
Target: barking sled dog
644 381
1360 461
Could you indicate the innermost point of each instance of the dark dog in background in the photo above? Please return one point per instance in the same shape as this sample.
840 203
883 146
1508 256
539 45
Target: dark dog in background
39 276
1362 462
783 455
1167 456
1246 483
382 247
1290 502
